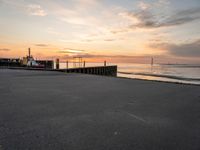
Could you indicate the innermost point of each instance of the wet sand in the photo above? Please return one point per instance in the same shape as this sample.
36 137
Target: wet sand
42 110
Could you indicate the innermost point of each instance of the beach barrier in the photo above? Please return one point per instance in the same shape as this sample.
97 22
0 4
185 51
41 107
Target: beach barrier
100 70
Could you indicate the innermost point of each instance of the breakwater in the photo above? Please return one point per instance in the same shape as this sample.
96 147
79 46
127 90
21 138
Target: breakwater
100 70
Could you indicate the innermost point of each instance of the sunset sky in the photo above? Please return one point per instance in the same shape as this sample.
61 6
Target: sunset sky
115 30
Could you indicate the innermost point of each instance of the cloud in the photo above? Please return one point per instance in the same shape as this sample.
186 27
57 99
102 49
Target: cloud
142 5
109 40
72 51
5 49
36 10
53 31
79 13
161 3
120 30
110 58
24 6
182 17
146 18
157 14
41 45
191 49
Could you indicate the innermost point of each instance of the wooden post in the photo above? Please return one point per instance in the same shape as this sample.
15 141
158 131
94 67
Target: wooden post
67 64
57 63
152 61
104 63
46 64
84 64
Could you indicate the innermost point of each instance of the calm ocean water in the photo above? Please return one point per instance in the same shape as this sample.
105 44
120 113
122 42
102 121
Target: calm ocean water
171 73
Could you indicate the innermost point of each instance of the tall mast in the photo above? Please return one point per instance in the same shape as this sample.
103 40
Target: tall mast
29 52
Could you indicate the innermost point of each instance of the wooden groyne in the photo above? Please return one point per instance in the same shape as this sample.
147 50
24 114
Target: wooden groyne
101 70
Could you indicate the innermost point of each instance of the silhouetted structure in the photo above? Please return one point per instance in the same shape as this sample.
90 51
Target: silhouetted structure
27 61
77 62
13 62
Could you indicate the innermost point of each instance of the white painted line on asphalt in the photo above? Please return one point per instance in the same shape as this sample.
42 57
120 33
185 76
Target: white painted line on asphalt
137 117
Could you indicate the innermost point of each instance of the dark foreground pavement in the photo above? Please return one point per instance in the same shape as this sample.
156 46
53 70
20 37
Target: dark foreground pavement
57 111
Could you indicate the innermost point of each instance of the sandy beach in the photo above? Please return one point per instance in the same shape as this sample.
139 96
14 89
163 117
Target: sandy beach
41 110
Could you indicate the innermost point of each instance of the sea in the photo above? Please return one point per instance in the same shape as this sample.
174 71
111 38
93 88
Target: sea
178 73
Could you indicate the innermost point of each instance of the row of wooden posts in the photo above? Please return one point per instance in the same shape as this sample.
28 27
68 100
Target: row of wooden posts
67 64
100 70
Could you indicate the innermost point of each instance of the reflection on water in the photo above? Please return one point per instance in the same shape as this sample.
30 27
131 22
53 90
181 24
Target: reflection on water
170 73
